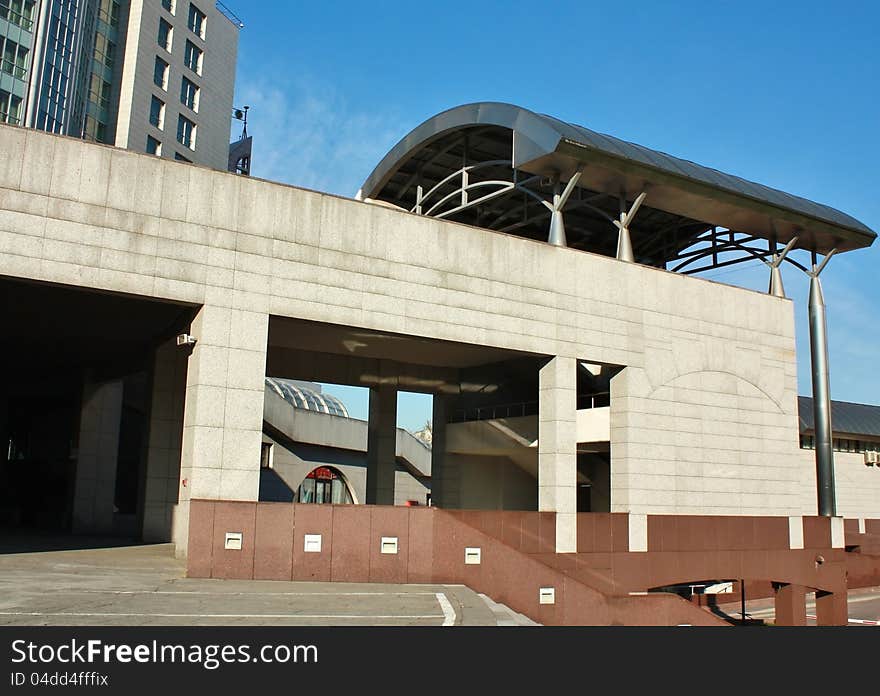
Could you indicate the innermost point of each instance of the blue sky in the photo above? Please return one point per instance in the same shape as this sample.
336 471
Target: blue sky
783 93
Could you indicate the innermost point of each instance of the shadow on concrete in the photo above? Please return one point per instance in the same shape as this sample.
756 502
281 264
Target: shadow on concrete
734 618
16 540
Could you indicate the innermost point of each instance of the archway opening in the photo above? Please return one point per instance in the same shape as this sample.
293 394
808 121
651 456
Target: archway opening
324 484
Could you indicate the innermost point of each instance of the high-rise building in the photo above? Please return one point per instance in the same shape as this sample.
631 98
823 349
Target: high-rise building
156 76
17 29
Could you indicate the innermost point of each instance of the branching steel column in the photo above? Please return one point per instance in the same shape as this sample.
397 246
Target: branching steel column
557 228
776 287
557 224
624 243
821 395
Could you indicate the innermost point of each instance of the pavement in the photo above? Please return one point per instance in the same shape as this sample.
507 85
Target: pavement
863 605
144 585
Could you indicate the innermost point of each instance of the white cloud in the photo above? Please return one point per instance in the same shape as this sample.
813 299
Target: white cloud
308 134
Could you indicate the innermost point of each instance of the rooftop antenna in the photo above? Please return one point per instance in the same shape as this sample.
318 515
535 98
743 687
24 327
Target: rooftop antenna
241 115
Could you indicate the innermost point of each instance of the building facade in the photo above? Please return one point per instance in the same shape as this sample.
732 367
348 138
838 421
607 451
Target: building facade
156 76
582 379
856 444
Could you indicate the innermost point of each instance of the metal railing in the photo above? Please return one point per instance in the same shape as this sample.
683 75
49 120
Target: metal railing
229 14
514 410
523 408
597 400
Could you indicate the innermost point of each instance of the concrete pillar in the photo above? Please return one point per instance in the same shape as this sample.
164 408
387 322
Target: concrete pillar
223 412
557 448
791 605
381 445
95 486
445 472
164 441
831 608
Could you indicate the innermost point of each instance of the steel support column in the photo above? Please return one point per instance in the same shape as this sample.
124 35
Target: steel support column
624 242
776 287
821 399
557 224
557 229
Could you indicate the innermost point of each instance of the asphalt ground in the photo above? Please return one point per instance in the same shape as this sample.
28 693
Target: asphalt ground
145 586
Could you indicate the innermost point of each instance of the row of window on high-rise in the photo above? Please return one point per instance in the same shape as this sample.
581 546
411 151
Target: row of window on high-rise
18 12
105 49
186 129
154 147
196 24
196 20
108 12
54 96
189 89
10 108
13 58
100 83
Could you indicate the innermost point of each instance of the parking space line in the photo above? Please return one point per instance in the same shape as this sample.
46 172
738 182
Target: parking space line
448 611
252 593
232 616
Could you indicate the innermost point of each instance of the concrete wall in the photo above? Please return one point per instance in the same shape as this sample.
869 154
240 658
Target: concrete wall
494 483
407 488
856 485
594 424
703 419
97 455
165 441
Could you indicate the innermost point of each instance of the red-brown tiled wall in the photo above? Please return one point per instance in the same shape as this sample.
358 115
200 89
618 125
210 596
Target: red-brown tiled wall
817 532
199 556
708 533
351 533
312 519
420 554
273 556
602 532
517 555
388 522
529 532
233 517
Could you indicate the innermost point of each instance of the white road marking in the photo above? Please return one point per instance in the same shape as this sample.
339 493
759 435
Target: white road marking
233 616
448 611
867 622
253 593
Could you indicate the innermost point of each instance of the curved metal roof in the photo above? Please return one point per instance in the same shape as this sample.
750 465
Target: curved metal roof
683 190
300 396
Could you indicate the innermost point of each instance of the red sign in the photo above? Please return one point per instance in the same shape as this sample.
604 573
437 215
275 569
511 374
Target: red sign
322 472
